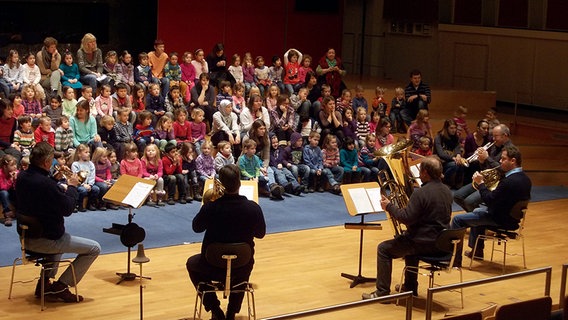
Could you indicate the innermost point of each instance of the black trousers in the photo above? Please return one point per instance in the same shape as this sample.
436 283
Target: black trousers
200 271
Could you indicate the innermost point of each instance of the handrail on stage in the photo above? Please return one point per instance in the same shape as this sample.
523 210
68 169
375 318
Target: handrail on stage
472 283
563 280
306 313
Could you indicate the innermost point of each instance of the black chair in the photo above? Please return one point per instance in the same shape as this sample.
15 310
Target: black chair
30 226
228 256
534 309
448 241
501 235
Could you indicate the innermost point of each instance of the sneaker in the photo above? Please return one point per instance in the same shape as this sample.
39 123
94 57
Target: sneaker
298 190
160 203
81 209
61 291
112 206
320 189
182 200
276 191
289 188
171 201
92 208
375 294
188 199
311 190
336 189
150 203
102 207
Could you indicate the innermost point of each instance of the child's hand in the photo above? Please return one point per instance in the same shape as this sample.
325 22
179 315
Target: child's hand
318 172
279 166
184 171
354 168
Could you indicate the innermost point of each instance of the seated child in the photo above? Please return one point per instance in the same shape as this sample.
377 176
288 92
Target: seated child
153 169
8 176
83 166
224 155
63 135
103 176
349 160
44 132
282 175
173 175
292 159
205 164
189 170
24 139
252 169
313 158
330 155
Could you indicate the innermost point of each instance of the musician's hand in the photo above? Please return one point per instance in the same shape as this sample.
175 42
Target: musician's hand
73 180
482 155
384 202
477 178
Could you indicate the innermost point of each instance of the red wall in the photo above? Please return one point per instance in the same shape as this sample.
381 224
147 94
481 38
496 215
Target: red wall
264 28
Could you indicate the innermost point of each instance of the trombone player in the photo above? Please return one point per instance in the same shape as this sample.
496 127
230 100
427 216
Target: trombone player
467 197
427 214
514 187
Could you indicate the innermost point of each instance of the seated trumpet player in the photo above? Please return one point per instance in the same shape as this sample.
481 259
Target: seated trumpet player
514 187
426 215
467 197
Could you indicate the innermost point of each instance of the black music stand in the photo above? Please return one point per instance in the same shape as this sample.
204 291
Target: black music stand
129 191
359 200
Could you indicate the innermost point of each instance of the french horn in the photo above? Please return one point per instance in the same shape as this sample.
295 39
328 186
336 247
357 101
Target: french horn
491 178
214 193
67 173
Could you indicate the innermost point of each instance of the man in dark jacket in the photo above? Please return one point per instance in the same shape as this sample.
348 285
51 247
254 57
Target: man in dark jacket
41 199
427 214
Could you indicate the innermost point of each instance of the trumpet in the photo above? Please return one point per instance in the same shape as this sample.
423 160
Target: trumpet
475 155
214 193
491 178
67 173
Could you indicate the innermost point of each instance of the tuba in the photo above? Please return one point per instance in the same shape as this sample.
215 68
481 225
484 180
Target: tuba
67 173
491 178
401 184
214 193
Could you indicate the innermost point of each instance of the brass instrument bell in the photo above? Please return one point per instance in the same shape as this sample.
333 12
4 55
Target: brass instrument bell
140 256
214 193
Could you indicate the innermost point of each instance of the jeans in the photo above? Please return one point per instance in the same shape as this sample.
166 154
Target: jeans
284 176
88 250
301 172
5 196
396 248
468 198
93 194
478 220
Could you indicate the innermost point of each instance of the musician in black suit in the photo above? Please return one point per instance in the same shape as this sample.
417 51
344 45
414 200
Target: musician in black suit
428 213
514 187
231 218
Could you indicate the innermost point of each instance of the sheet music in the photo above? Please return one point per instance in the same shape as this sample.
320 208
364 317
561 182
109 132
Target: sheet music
416 173
375 198
137 194
247 191
361 200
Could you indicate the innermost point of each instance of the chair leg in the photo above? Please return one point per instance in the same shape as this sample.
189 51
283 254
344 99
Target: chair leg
504 255
474 251
12 278
524 256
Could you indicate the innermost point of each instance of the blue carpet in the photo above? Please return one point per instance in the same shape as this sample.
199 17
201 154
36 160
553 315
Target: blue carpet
171 225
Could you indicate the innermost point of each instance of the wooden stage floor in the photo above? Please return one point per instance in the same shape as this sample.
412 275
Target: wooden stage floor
296 271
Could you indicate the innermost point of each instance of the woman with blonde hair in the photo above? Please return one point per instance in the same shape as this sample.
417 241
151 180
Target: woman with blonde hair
90 61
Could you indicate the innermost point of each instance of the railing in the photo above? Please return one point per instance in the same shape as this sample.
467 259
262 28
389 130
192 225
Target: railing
307 313
472 283
563 287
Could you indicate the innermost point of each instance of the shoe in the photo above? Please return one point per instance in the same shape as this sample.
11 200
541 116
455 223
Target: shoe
160 203
92 208
150 203
398 289
61 291
182 200
102 207
47 288
230 315
276 191
263 192
478 255
336 189
311 190
188 199
171 201
289 188
375 294
112 206
217 314
298 190
320 189
81 209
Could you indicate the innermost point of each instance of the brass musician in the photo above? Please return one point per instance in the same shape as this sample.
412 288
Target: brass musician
426 215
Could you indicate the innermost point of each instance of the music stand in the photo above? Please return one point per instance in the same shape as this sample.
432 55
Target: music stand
361 199
131 192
